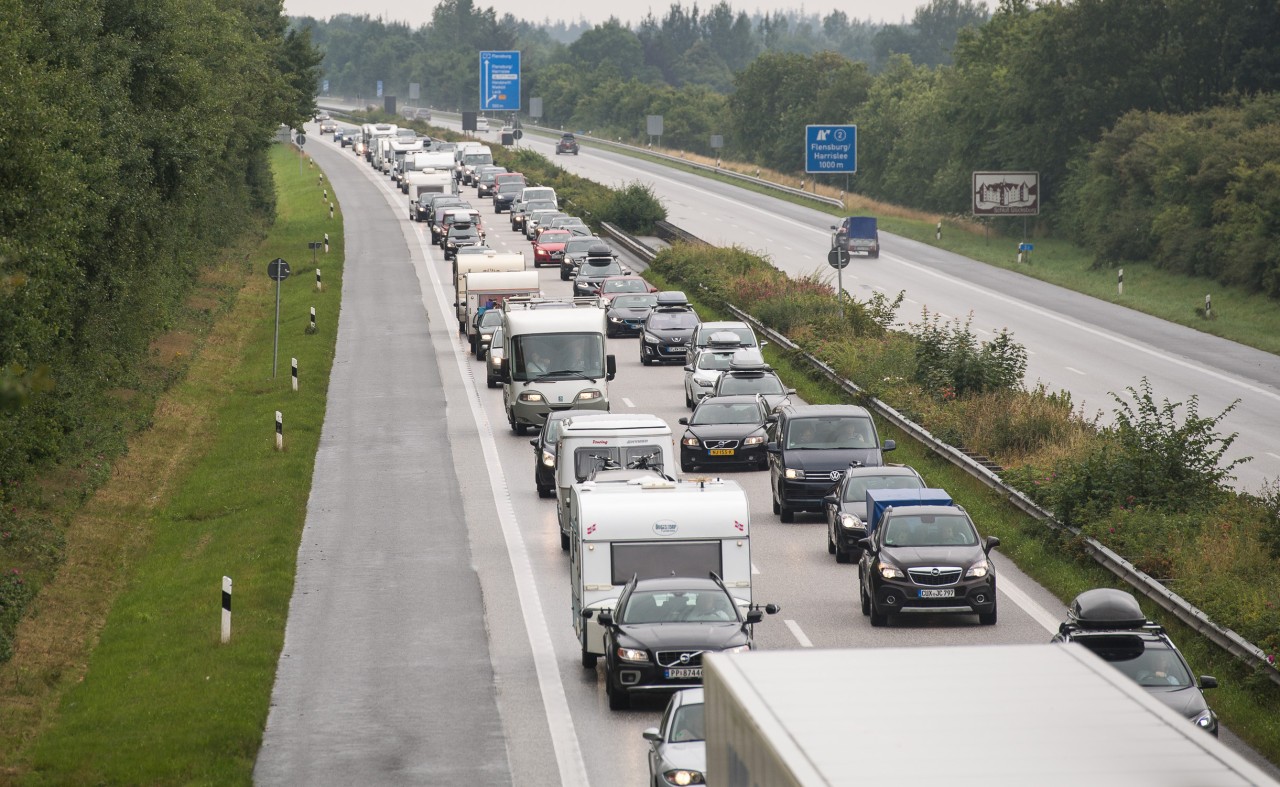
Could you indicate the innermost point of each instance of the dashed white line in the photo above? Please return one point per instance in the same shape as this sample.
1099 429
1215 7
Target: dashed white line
1273 455
798 634
628 402
1073 369
755 570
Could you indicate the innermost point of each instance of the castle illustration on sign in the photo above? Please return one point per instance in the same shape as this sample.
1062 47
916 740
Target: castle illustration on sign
1006 193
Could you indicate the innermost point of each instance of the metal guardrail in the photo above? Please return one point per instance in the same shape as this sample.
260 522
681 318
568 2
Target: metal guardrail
1140 581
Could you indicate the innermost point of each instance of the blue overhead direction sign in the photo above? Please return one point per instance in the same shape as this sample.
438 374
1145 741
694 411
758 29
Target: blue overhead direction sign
831 149
499 81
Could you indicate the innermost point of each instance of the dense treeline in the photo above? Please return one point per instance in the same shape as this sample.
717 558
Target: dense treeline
134 140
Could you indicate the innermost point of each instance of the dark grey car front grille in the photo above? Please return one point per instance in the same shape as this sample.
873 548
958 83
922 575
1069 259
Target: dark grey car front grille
934 576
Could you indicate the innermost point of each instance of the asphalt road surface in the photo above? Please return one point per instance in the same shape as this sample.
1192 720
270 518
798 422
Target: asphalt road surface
429 637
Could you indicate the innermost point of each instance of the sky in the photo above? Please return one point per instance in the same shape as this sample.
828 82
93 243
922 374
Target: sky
418 12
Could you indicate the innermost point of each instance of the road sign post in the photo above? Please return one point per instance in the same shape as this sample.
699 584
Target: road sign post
838 258
277 269
499 81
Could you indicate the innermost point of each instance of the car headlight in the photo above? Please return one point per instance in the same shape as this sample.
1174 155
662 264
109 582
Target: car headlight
684 776
691 442
589 395
754 439
1207 720
850 522
530 396
738 649
633 654
979 569
495 360
615 319
548 458
888 571
793 473
651 339
705 383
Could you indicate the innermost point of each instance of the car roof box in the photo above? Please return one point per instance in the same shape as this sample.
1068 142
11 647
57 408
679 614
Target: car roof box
672 298
1106 608
724 339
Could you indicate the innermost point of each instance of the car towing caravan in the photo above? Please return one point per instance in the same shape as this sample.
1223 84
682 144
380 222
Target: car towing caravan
598 441
554 358
653 528
489 260
489 290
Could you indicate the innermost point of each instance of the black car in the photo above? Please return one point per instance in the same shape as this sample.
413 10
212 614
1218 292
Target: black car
846 507
505 195
626 314
544 450
667 330
1110 623
595 268
575 251
461 233
927 559
655 637
811 445
567 144
435 204
725 430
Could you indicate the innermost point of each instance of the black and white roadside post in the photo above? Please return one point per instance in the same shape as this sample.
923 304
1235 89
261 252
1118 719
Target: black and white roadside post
326 243
938 236
279 431
226 610
277 269
312 327
1208 307
331 210
838 258
1120 282
294 373
319 286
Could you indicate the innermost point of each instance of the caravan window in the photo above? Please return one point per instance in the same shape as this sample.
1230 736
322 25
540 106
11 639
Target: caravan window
588 459
650 559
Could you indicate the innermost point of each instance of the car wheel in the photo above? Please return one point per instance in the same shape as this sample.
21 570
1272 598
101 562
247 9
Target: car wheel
832 549
564 541
644 359
479 353
564 276
878 619
786 513
688 400
777 509
544 491
988 619
862 595
619 699
589 660
491 382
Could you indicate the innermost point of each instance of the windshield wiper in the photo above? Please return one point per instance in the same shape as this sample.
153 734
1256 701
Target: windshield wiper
561 373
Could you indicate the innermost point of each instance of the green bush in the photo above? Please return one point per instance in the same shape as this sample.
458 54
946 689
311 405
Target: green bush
951 363
15 594
634 208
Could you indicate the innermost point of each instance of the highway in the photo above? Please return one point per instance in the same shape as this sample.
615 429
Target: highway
443 621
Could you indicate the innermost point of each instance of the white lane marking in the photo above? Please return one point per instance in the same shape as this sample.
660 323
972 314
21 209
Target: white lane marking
564 738
798 634
1273 455
754 570
909 300
1018 596
628 402
1074 369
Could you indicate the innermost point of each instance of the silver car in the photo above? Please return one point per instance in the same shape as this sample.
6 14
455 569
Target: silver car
678 749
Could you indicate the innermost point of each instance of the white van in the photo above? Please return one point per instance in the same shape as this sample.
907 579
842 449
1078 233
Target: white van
471 158
653 528
597 441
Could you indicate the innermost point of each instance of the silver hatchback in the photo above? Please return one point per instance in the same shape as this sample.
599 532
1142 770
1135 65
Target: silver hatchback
678 749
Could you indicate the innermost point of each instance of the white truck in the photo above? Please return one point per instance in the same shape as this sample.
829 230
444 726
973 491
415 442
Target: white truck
993 714
653 528
492 289
554 358
592 442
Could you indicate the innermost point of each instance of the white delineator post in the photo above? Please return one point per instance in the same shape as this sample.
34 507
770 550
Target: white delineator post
295 374
279 431
319 286
226 610
1120 282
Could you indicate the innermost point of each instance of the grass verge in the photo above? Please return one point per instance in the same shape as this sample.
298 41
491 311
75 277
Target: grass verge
1245 702
156 699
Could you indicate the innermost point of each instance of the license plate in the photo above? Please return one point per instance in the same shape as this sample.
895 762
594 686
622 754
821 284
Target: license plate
721 452
941 593
674 349
676 673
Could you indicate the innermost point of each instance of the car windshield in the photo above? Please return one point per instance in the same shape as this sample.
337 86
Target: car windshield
749 384
456 232
511 188
847 432
676 606
746 337
635 301
855 489
930 530
715 361
538 355
1153 666
580 244
673 320
553 236
625 285
710 412
688 725
540 194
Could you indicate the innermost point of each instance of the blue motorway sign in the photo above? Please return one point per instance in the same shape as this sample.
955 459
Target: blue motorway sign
831 149
499 81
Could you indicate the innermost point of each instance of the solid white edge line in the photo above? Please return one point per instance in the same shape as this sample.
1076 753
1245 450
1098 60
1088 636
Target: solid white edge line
798 634
1074 369
564 738
1018 596
754 570
625 400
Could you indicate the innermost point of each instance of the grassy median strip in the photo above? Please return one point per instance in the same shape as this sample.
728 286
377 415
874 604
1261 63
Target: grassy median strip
161 700
1245 701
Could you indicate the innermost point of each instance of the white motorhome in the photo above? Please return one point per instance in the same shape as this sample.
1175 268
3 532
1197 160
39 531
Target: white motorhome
472 158
492 288
402 147
555 358
598 441
371 132
425 161
653 528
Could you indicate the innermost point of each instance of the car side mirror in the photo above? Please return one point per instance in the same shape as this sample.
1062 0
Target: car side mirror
683 421
1208 682
605 618
534 442
754 616
992 543
888 445
688 368
587 614
789 391
610 367
772 448
653 735
865 543
830 500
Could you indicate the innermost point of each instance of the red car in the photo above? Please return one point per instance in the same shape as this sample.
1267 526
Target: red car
548 248
624 285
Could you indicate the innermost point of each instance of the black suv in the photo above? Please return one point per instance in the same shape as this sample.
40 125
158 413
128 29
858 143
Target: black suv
667 329
655 637
1110 623
567 144
600 264
927 558
461 234
724 430
811 445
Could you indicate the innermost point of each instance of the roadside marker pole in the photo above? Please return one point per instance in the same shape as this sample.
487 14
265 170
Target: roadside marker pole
938 236
1120 281
330 210
1208 307
279 431
326 243
312 327
295 374
319 286
226 610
